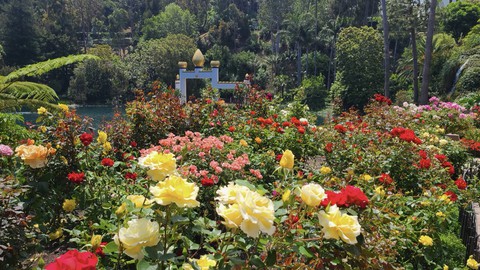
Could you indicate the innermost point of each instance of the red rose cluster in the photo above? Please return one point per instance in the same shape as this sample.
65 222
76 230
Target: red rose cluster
86 138
405 134
107 162
382 99
348 196
385 178
75 260
76 177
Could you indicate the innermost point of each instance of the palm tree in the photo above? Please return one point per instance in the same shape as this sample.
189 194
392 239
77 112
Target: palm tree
16 93
428 54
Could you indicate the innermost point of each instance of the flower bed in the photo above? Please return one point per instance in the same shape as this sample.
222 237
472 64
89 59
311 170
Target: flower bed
234 187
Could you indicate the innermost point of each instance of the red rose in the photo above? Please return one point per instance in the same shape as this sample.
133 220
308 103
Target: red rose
108 162
355 196
133 144
461 184
130 175
86 138
74 260
301 130
424 163
99 250
76 177
328 147
422 154
334 198
385 178
340 128
278 157
451 195
206 182
286 124
441 158
231 129
280 130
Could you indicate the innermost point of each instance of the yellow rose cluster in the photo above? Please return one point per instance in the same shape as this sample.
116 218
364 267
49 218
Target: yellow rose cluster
176 190
102 139
34 156
139 233
245 209
160 165
337 225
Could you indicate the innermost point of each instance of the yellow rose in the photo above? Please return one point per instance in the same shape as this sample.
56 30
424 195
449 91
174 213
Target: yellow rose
243 143
228 194
102 137
325 170
56 234
443 142
257 212
160 165
41 111
33 155
445 267
175 190
204 262
121 209
107 147
64 107
258 140
380 191
287 160
312 194
231 214
440 214
42 129
425 240
339 226
246 209
472 263
96 241
140 233
286 195
140 201
69 205
365 177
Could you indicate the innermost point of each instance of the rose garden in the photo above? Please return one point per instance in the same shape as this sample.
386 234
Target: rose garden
247 185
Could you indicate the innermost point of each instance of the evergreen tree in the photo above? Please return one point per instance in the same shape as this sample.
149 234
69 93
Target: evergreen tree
20 36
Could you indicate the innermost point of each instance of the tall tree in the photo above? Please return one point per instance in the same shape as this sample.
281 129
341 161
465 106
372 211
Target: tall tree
386 49
428 54
20 36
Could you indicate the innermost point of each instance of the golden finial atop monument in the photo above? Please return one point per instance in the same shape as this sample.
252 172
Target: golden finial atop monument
198 59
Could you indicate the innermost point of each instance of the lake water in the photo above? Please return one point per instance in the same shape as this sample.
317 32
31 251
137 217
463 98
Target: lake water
99 114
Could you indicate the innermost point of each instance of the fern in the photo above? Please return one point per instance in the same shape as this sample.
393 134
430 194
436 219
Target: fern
15 94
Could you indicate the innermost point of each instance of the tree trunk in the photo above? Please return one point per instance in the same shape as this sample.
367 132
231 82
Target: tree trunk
415 64
428 54
299 63
386 48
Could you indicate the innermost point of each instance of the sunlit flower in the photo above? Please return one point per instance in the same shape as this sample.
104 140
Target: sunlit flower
325 170
243 143
41 111
365 177
140 201
472 263
160 165
175 190
339 226
139 233
64 107
102 137
96 241
287 160
34 155
312 194
205 263
231 214
286 195
425 240
229 193
69 205
380 191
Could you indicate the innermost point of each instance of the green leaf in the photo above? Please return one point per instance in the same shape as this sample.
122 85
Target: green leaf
271 258
144 265
305 252
110 248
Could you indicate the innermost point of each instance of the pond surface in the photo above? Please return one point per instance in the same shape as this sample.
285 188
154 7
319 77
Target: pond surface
99 114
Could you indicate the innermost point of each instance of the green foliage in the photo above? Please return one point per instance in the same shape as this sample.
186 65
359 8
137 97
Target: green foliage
11 130
472 39
403 96
460 16
469 81
315 92
157 59
359 58
15 94
173 20
99 81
